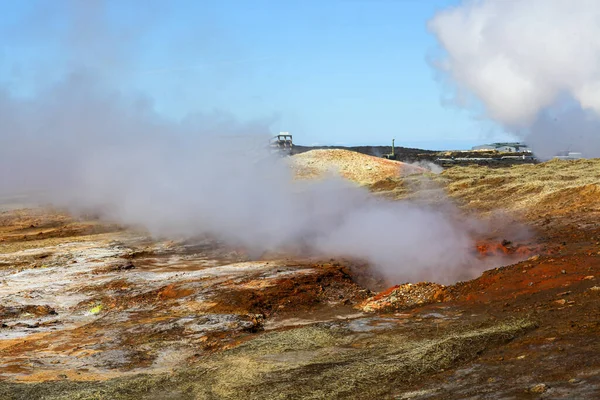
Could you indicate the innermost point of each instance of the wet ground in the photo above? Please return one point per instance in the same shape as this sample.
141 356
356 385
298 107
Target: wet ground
91 311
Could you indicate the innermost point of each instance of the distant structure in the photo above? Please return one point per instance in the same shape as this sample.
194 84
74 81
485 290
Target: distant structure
392 155
568 155
282 144
511 147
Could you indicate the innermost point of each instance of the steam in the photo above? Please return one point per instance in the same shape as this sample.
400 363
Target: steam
419 166
81 146
81 143
529 63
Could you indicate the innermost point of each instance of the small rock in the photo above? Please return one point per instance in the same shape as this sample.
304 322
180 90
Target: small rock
125 267
38 310
539 388
520 357
595 288
561 301
588 278
563 272
534 258
405 296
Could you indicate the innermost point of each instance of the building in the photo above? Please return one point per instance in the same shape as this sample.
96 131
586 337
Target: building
484 147
513 147
282 143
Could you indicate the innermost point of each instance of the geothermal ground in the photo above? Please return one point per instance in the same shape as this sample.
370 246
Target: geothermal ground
93 310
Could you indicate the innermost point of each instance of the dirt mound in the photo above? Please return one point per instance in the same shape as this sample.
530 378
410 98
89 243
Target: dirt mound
360 168
405 296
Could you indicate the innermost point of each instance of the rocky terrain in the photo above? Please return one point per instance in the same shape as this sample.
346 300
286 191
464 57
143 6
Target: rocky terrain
94 310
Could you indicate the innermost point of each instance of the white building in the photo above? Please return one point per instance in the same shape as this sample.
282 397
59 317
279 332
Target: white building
484 147
504 147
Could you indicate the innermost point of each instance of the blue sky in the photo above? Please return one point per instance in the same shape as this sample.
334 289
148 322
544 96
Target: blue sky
345 72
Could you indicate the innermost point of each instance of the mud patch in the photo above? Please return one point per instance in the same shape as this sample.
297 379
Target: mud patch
326 284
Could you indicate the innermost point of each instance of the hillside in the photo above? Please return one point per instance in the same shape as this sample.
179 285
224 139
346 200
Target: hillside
360 168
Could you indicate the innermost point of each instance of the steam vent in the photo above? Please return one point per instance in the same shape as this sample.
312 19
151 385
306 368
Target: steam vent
268 200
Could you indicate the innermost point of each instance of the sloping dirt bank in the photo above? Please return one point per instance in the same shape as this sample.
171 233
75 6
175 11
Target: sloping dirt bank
360 168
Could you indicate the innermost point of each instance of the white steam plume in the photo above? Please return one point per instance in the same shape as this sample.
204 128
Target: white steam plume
527 61
86 145
421 166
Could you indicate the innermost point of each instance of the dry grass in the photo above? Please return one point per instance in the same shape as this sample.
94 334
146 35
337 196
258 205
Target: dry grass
346 368
316 362
535 191
553 187
424 188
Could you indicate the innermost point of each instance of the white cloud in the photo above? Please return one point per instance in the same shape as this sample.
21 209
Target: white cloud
519 58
